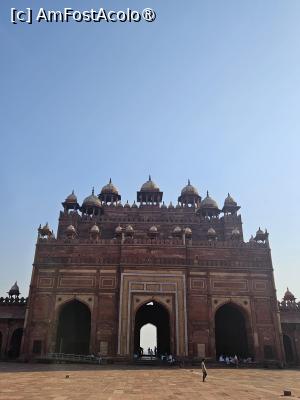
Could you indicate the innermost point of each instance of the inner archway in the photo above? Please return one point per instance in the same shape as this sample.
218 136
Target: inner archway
288 348
231 332
74 328
15 343
156 314
0 344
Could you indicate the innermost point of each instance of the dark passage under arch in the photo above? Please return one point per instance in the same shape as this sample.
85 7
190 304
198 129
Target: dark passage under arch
157 315
288 348
15 343
74 327
231 332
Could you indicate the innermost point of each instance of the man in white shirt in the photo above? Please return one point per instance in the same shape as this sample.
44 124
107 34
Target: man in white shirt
204 372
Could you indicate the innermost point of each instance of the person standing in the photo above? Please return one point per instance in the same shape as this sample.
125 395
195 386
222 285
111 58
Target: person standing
204 372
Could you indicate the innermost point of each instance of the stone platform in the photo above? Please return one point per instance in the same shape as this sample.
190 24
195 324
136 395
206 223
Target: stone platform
87 382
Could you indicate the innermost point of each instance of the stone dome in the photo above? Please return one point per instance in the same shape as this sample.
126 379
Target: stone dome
129 229
208 202
14 290
229 201
149 186
119 204
188 232
71 229
177 230
211 232
127 205
118 229
134 205
153 229
163 205
288 296
110 188
95 229
91 201
189 189
171 205
72 198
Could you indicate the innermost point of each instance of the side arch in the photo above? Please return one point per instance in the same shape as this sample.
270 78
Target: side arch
232 330
288 349
73 328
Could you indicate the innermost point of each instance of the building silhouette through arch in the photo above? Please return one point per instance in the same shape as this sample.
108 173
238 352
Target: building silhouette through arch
156 314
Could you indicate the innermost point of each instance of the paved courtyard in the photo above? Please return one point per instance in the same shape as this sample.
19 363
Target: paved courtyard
32 382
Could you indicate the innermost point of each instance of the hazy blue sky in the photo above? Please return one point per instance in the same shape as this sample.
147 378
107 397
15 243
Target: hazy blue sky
210 91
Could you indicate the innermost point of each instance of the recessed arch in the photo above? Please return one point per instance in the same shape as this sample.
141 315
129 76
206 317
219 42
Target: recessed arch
155 313
15 343
231 330
73 328
288 348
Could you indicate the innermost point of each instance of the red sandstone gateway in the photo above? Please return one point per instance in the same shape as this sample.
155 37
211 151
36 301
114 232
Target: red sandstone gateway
186 269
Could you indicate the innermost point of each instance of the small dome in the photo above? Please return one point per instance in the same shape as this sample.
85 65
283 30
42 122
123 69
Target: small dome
71 229
163 205
129 229
178 205
177 230
91 201
134 205
171 205
120 204
260 232
288 296
208 202
71 198
235 232
118 229
188 232
153 229
95 229
211 232
110 188
127 205
189 189
229 201
14 290
149 186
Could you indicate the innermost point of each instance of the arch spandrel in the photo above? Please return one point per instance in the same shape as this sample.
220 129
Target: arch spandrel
242 303
163 300
86 299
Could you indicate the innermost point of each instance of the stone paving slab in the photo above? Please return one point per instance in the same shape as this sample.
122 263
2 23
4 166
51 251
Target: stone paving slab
49 382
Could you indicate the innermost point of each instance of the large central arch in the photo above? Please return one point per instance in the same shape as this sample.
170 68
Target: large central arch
74 328
157 315
231 331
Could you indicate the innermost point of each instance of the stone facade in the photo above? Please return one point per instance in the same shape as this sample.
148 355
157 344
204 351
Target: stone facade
191 259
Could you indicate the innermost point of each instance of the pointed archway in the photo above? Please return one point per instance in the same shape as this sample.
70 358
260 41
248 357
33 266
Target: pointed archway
156 314
231 331
74 328
1 344
15 343
288 348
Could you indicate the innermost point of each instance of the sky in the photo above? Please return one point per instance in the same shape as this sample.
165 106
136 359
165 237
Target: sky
209 91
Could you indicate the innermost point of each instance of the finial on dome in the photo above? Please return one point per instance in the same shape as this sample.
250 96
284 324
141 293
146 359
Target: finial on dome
189 182
109 180
207 194
149 177
93 191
